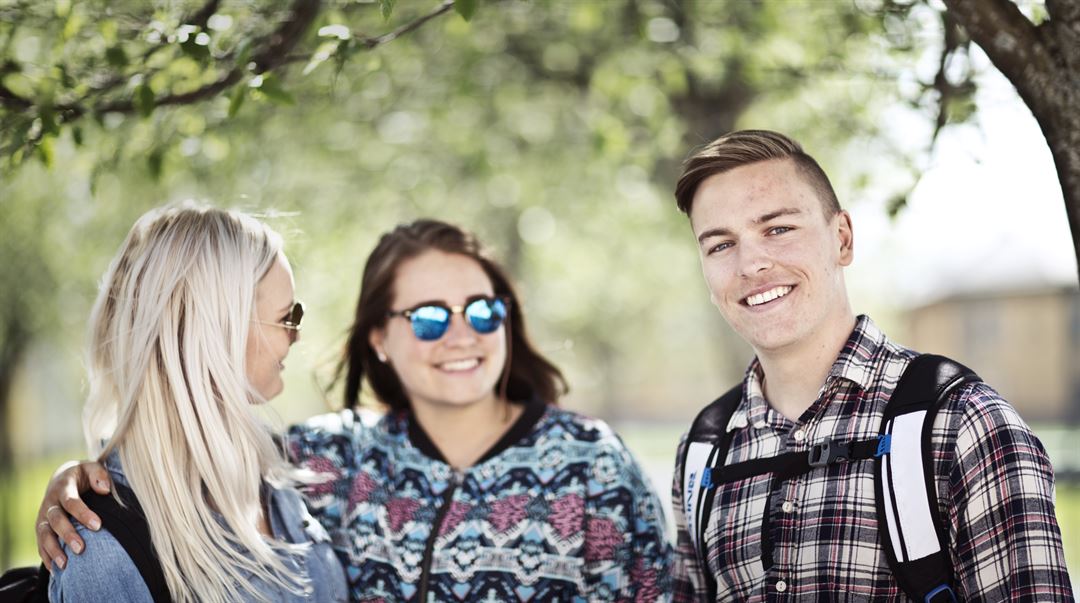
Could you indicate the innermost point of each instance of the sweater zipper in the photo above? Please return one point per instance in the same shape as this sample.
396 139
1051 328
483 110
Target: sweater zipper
429 549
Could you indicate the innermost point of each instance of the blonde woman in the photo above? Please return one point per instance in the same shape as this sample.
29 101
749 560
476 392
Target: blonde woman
190 329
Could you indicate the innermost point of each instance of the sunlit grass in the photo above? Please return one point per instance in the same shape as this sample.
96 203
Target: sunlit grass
25 495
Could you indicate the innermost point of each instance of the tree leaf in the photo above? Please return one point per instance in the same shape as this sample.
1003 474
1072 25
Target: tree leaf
19 84
116 56
387 8
45 151
154 161
466 8
144 99
243 52
48 120
195 50
323 52
272 88
237 100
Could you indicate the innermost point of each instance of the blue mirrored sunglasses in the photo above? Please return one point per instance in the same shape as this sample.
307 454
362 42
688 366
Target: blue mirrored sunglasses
430 320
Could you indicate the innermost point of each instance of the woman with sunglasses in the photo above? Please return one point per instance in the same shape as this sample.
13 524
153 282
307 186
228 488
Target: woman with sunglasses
474 485
192 323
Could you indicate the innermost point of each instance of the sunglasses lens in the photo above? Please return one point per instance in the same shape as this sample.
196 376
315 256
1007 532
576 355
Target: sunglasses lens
486 315
297 314
429 322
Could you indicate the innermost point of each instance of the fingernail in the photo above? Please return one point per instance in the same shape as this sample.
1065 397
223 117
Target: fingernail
102 485
94 524
60 563
76 546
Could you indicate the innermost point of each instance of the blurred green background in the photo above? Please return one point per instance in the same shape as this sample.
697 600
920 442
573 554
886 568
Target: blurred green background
554 130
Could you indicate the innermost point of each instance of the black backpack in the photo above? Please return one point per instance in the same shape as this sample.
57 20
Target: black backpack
126 524
916 543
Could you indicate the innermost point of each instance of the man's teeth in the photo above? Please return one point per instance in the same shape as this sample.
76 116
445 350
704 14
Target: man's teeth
460 365
767 296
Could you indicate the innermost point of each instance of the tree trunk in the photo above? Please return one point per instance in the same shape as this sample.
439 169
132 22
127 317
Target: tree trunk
1043 62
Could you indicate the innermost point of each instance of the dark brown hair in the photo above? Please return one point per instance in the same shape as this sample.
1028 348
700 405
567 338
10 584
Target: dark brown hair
743 147
528 375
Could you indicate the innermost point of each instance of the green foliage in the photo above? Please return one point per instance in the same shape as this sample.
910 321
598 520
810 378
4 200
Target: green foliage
466 8
555 130
386 7
270 86
144 99
236 100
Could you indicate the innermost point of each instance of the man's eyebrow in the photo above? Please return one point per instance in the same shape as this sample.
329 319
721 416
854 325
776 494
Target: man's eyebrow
713 232
785 211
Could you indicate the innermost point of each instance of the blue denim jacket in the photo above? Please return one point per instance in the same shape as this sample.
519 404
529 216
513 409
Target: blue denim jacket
104 572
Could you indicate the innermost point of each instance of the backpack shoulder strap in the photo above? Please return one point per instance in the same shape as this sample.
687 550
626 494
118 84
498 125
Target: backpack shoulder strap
913 532
128 525
706 447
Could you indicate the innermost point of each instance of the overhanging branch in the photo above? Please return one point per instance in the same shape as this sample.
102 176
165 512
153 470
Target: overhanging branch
276 52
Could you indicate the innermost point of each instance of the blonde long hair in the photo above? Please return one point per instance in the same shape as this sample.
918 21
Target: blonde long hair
168 392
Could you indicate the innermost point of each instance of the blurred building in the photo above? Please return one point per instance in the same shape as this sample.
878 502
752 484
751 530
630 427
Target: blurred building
1025 343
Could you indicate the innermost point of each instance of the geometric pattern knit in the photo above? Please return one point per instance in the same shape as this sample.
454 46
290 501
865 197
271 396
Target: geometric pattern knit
560 513
815 537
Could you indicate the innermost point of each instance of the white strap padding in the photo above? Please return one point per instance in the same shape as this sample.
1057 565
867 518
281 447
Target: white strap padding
905 483
697 461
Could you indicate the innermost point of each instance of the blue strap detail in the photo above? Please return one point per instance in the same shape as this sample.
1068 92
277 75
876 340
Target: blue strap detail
941 594
884 444
706 479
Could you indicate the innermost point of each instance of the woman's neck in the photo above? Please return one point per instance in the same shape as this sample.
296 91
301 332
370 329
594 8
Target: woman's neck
464 433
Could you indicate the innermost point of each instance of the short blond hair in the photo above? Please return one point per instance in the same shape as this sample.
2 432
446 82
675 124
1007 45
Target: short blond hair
744 147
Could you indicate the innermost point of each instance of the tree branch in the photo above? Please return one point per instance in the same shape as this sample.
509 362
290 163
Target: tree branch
200 17
372 43
954 40
276 51
1005 34
281 42
408 27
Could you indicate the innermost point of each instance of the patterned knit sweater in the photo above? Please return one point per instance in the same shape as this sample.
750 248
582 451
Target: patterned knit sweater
557 510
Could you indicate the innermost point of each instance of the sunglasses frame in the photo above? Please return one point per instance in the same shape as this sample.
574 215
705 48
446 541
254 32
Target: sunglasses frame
288 324
452 310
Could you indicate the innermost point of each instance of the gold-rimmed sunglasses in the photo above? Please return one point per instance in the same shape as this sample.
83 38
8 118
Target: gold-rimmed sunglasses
291 321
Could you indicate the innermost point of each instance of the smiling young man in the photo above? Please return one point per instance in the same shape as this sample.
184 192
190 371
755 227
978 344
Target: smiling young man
804 523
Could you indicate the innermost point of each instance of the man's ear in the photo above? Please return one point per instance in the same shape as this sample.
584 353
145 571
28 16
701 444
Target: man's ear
845 236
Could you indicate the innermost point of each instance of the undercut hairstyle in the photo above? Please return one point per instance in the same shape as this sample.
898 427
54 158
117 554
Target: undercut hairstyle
744 147
169 394
527 375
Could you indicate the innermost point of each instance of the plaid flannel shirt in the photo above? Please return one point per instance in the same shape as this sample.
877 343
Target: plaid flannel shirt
995 487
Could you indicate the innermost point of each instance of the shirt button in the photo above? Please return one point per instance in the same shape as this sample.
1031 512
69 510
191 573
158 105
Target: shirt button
759 424
781 586
799 435
787 506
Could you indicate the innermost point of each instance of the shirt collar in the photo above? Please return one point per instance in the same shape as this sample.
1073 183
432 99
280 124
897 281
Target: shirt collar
856 363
